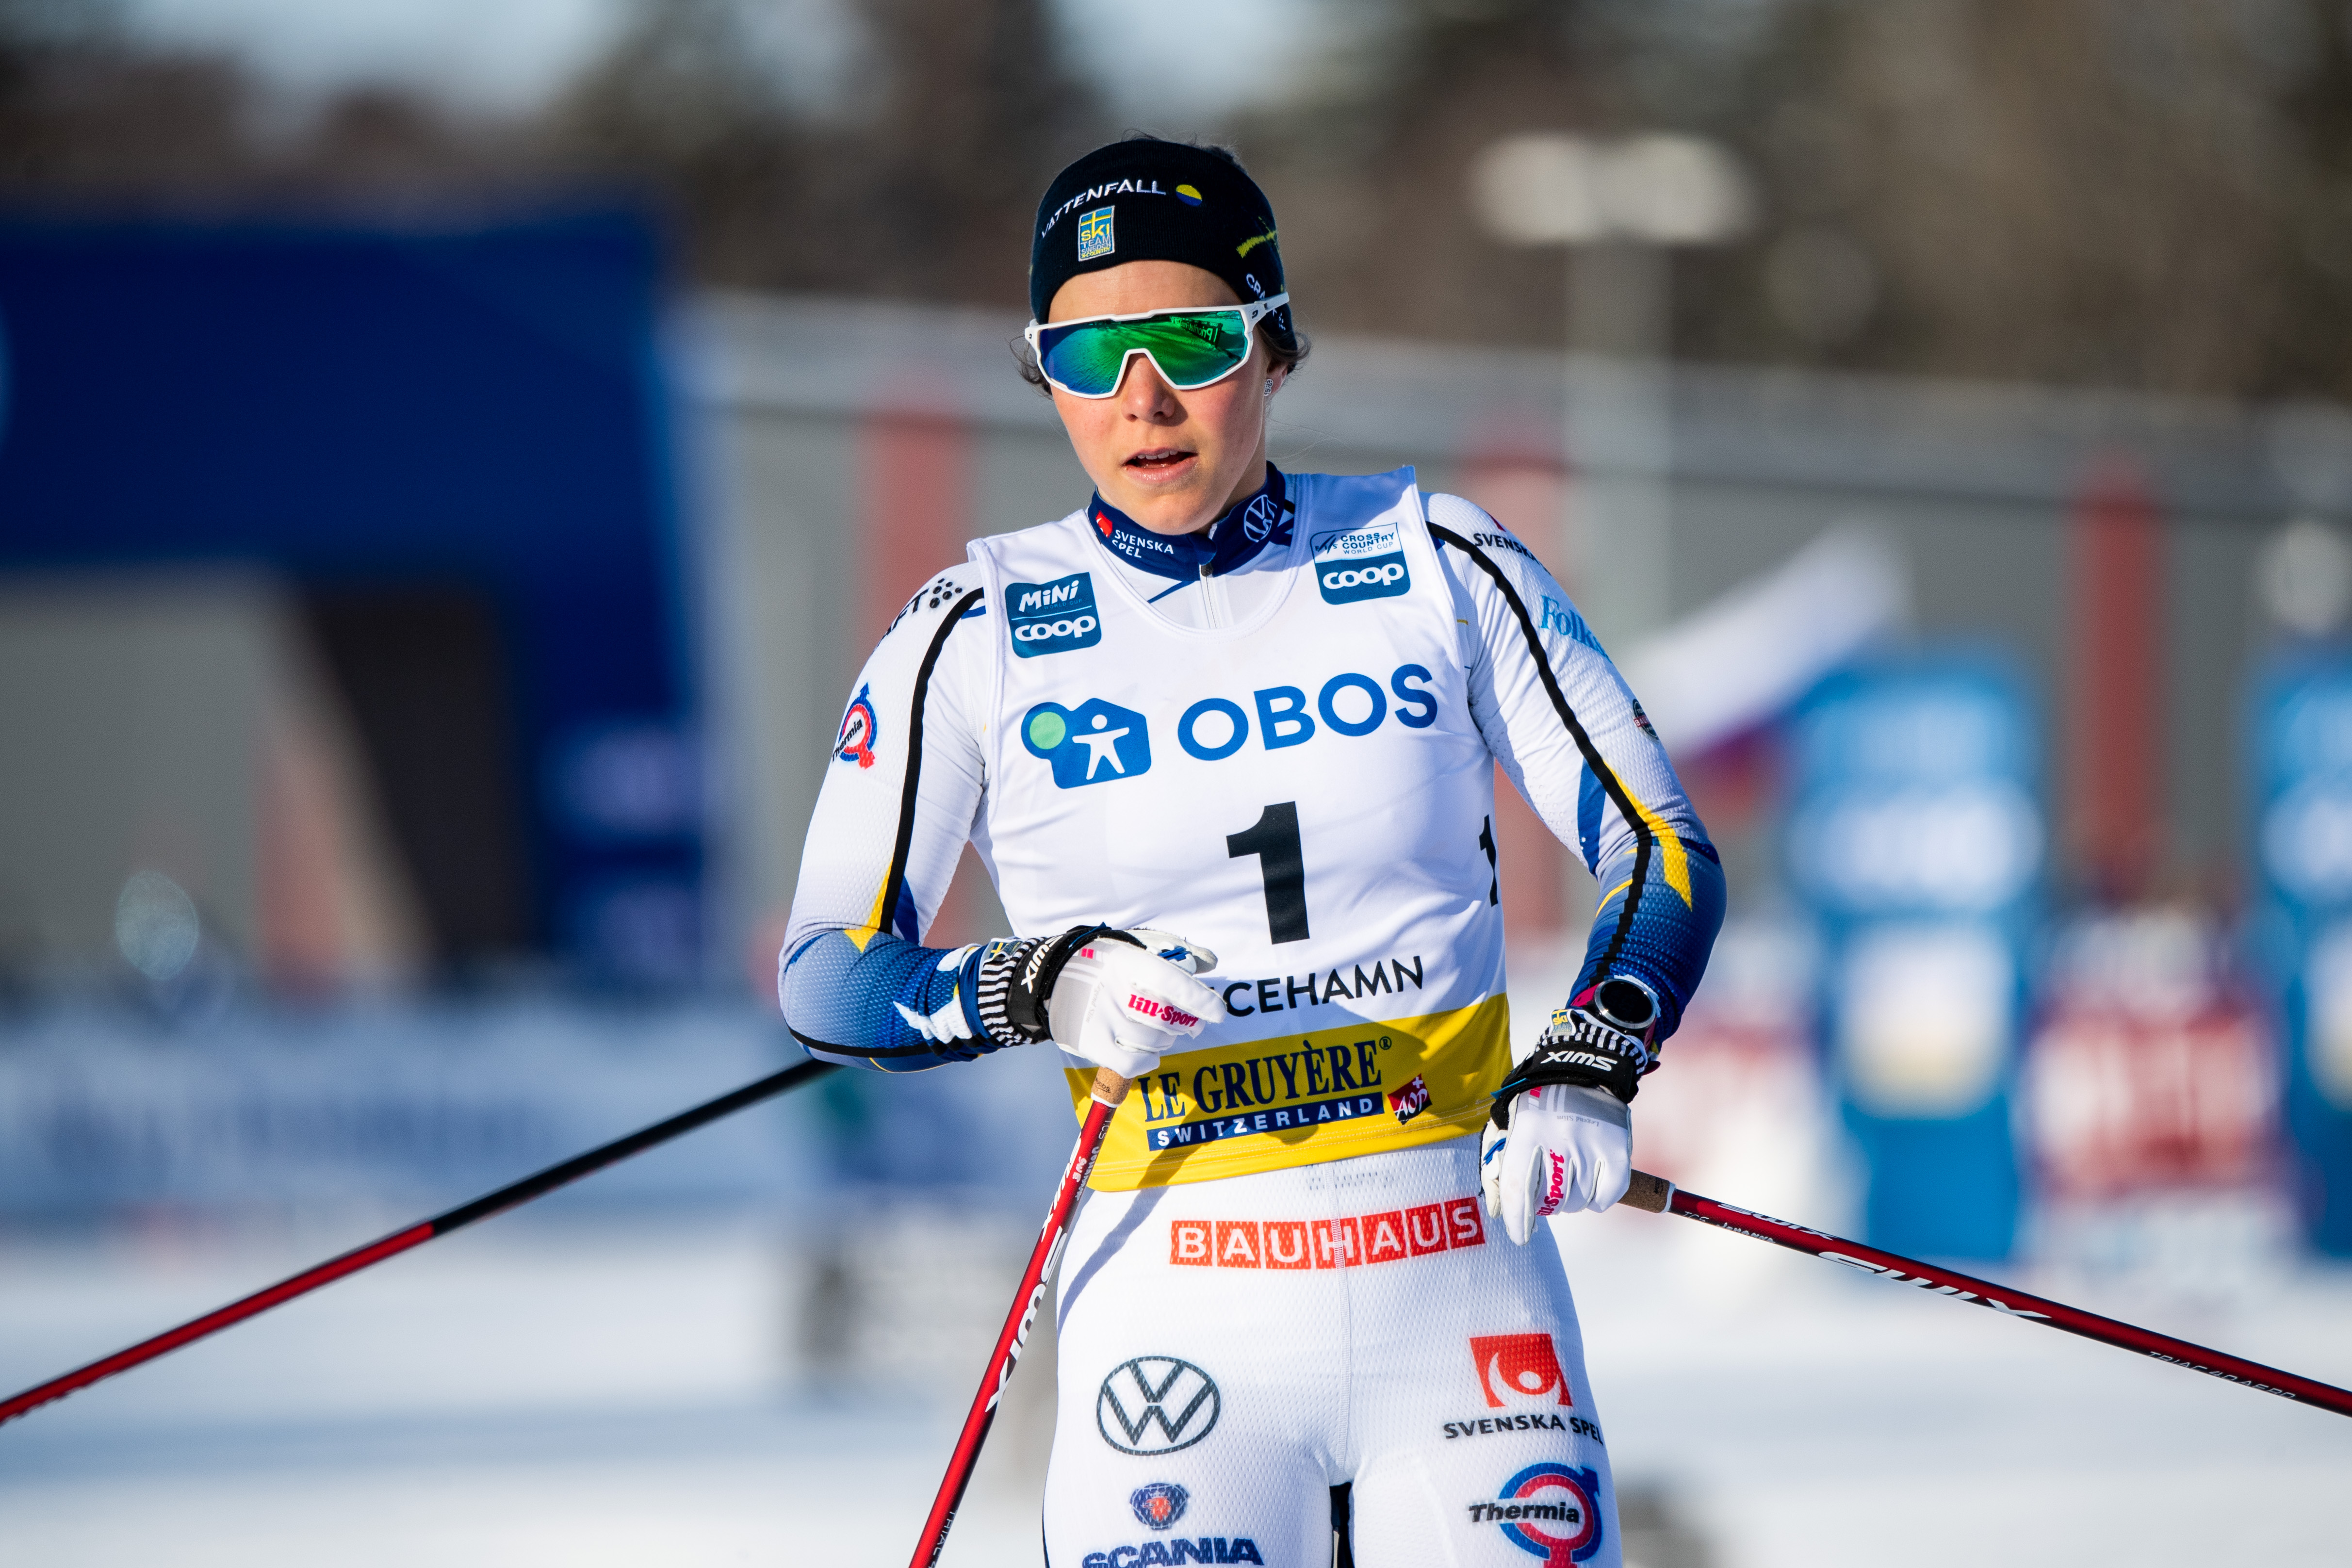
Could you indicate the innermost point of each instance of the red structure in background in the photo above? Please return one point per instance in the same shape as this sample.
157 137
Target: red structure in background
1526 492
2126 1102
915 474
915 469
2114 821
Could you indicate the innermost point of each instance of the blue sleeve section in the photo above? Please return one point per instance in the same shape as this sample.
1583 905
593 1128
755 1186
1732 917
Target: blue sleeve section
1590 799
894 1006
1667 944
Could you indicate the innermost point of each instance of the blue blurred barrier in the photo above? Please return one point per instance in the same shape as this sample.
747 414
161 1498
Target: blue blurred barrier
1915 839
2302 799
414 1106
408 1108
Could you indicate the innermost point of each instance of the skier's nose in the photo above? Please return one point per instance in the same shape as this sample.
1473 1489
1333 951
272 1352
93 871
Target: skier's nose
1146 395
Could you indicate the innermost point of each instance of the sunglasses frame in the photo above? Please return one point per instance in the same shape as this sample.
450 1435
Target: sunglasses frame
1252 312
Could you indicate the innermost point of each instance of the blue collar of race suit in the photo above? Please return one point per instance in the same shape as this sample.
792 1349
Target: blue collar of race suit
1258 519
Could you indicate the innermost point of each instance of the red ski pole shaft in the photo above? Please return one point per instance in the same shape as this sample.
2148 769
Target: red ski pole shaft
1108 1090
1659 1196
534 1185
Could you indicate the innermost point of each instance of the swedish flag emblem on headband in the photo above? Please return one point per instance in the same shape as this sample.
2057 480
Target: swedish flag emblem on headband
1095 236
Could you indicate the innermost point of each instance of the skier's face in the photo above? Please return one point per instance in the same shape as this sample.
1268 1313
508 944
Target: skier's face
1171 460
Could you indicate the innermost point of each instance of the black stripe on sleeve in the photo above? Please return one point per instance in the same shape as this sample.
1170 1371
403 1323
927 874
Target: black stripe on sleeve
903 846
1644 838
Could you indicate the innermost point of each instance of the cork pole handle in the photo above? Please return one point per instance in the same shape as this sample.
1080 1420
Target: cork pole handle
1110 1088
1645 1190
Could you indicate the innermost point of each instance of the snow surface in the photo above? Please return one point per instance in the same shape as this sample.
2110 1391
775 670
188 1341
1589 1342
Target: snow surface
600 1392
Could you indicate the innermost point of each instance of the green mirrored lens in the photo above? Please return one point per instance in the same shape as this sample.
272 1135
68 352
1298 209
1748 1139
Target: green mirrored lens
1192 350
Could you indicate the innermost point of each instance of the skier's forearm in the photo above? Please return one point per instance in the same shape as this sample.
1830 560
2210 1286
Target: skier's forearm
868 999
1659 929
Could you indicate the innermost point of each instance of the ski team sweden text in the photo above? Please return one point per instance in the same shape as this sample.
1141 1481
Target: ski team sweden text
1308 792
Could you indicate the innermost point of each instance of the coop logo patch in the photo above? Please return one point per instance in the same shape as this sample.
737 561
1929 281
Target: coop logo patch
1053 617
1156 1405
1095 237
1365 563
1094 743
1514 1369
855 742
1159 1505
1548 1510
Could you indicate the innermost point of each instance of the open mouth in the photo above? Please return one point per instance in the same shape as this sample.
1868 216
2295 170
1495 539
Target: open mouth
1157 460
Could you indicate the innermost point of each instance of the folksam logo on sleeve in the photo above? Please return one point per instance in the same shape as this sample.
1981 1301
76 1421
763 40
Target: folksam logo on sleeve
1053 617
1365 563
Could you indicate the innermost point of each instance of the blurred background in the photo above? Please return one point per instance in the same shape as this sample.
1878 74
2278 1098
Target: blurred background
454 459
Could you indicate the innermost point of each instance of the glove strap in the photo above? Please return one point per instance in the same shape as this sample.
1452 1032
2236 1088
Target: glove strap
1582 1049
1015 986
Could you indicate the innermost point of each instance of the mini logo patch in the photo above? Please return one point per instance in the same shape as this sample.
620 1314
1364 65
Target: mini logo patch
1053 617
1095 236
1159 1505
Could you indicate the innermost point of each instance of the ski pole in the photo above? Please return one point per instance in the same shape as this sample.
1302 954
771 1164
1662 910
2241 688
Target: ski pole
399 1241
1659 1196
1108 1090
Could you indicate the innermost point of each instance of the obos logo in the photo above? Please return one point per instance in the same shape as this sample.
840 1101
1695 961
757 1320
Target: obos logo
1548 1510
1053 617
1094 743
1364 564
1156 1405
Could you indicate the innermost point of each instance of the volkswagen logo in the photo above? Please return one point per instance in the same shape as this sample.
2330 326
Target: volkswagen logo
1156 1405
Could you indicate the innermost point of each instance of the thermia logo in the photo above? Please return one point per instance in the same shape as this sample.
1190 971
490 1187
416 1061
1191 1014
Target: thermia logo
1094 743
1366 563
1547 1510
1053 617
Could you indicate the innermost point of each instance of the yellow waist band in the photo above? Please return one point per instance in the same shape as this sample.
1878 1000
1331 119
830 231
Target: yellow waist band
1300 1100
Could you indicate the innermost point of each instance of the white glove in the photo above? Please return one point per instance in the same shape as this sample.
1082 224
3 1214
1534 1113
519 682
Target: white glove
1120 1007
1566 1148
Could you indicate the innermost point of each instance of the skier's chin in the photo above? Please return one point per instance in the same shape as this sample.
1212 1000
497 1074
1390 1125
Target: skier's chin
1165 496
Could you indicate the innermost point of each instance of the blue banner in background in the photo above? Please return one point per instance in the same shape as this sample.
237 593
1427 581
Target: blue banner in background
1916 840
2302 843
419 427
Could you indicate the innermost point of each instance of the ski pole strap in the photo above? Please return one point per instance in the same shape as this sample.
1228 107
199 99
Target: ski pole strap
1582 1049
1034 969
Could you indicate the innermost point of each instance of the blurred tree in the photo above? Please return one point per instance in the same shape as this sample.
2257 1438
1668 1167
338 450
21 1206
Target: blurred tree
916 177
2143 193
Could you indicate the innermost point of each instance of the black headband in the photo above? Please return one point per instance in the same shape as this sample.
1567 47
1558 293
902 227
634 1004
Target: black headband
1147 200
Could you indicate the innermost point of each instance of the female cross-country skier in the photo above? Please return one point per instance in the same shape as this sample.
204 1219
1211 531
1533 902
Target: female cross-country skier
1225 739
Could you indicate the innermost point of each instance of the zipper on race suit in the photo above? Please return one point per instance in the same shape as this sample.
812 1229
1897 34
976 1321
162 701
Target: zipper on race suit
1213 598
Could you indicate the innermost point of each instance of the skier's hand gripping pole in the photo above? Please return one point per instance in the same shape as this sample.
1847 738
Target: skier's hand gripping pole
1109 1090
537 1184
1658 1195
